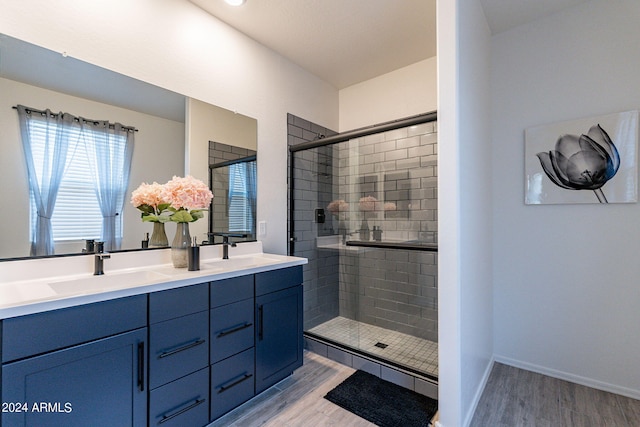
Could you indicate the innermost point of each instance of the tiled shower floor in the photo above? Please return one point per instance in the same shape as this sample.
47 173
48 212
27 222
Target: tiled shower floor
415 353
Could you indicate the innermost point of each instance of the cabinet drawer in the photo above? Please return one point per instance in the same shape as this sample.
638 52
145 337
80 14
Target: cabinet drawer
178 347
232 329
184 402
178 302
227 291
276 280
38 333
232 383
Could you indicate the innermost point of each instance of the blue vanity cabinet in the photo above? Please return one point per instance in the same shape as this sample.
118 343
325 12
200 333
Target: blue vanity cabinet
179 356
232 343
278 311
78 376
173 358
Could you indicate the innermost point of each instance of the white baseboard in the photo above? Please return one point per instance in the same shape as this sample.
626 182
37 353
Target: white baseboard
589 382
476 397
479 391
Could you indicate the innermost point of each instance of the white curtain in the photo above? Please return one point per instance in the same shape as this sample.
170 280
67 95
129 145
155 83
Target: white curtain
111 164
46 141
44 181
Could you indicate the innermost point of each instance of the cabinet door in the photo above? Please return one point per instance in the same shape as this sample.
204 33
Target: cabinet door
279 338
101 383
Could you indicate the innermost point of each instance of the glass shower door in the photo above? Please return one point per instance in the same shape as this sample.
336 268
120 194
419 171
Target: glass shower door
364 212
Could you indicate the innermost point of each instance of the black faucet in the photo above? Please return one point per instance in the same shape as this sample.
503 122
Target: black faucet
225 247
225 241
99 258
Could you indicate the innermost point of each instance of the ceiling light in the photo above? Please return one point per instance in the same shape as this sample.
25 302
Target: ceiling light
235 2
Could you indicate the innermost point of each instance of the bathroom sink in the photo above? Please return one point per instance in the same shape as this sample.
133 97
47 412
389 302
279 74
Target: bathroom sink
106 282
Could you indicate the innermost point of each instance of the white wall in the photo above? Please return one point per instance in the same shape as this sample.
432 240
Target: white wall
464 209
476 198
567 300
405 92
158 155
176 45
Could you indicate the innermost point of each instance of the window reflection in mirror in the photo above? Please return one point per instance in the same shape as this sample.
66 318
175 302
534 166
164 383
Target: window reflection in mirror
232 178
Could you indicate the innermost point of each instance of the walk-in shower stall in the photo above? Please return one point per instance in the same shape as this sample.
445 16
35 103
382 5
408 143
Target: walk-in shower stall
363 210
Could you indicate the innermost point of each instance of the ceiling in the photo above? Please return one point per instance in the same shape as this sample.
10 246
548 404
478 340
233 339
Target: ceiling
345 42
341 41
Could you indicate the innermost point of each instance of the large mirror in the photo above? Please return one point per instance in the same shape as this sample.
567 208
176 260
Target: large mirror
172 138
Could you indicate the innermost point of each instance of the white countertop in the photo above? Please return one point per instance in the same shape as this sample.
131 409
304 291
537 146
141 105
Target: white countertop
37 285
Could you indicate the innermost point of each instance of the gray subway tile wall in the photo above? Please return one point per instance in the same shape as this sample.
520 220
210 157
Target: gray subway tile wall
321 276
220 153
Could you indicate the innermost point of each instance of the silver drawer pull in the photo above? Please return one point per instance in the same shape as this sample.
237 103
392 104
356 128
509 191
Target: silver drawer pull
183 348
234 329
235 383
166 418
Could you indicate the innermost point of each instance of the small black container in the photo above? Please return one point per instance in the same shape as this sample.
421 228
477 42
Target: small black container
193 257
377 233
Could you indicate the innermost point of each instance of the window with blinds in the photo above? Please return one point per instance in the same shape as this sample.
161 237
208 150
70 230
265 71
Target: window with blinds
240 215
76 215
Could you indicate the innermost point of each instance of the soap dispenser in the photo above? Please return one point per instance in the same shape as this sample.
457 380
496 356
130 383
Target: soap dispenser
193 256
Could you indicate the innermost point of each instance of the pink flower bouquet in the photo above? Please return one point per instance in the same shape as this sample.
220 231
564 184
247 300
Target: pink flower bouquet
337 206
148 199
368 204
188 198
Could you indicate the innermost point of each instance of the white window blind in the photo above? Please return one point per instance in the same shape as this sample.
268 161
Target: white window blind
240 215
77 213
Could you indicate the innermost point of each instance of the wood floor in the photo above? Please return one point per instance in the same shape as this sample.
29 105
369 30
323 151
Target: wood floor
515 397
298 401
512 398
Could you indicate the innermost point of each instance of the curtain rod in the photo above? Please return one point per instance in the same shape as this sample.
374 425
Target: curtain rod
77 119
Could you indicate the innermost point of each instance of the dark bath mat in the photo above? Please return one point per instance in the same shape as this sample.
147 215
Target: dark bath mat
383 403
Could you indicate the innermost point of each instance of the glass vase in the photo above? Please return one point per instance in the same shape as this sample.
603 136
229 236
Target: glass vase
180 245
365 233
158 236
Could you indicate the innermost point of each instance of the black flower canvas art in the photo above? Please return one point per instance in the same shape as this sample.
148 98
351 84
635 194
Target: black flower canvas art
583 161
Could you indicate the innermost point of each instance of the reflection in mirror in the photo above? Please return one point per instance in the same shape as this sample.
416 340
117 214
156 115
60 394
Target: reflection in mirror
232 178
42 79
